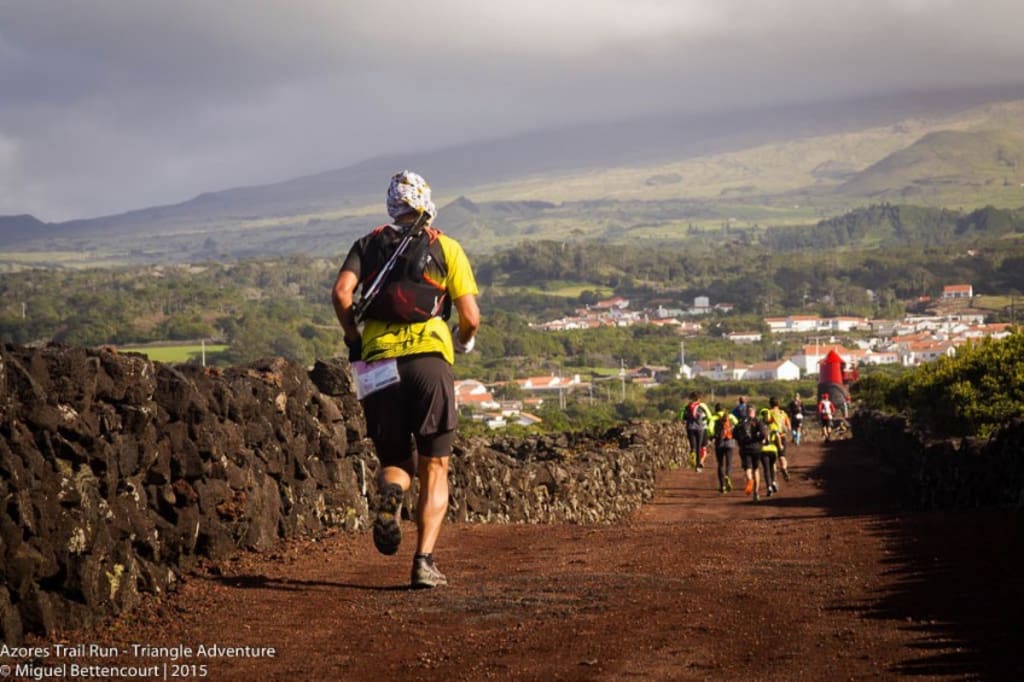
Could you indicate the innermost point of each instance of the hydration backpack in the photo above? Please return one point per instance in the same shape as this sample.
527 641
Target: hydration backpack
747 432
723 427
696 416
415 289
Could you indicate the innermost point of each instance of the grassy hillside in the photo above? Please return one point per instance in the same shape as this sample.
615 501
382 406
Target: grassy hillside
804 161
671 180
17 227
946 164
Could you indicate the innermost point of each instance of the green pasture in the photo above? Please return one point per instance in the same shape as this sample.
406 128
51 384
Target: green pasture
175 354
572 290
560 289
14 261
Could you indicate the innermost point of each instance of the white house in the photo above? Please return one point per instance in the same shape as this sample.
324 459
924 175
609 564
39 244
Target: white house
844 323
527 419
809 356
957 291
967 317
997 330
744 337
472 393
617 303
495 422
718 370
548 383
872 357
916 352
778 370
793 323
885 327
661 312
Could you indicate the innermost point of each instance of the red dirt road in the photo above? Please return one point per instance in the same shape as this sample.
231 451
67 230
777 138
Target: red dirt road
825 581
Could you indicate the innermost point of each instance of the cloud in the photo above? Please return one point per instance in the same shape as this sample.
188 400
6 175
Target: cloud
117 104
10 184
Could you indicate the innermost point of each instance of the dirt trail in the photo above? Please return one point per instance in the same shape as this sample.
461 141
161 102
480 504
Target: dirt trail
824 581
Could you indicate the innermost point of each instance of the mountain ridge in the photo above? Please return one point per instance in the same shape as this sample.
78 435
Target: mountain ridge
510 175
944 156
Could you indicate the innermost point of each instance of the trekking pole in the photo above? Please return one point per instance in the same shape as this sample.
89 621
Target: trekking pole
381 278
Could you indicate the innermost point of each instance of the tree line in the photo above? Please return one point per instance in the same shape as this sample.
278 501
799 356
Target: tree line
281 306
973 394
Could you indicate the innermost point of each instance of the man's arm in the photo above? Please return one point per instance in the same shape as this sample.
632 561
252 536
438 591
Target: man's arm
469 317
342 297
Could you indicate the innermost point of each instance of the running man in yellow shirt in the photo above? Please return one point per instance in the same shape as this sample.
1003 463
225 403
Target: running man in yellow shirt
404 337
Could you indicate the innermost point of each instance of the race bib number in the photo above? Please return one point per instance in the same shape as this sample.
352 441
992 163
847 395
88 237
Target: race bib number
373 376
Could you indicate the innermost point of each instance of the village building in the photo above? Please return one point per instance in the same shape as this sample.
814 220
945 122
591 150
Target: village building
655 373
472 394
808 358
793 324
844 323
718 370
862 357
549 383
661 312
812 323
684 372
615 303
744 337
701 306
957 291
776 370
690 328
916 352
995 330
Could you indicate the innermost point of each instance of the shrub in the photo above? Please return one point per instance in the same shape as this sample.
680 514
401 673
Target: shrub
972 394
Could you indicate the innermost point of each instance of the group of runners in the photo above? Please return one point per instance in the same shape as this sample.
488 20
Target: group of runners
760 436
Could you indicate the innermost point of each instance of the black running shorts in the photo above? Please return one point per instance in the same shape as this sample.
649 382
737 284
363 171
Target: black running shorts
749 459
420 408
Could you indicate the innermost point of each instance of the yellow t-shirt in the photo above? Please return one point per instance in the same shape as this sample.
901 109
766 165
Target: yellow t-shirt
781 419
382 340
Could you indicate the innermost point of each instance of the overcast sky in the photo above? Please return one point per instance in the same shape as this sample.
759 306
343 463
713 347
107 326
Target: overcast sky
109 105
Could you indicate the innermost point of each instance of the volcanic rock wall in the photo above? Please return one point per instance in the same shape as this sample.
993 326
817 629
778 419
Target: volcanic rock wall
117 474
574 478
947 474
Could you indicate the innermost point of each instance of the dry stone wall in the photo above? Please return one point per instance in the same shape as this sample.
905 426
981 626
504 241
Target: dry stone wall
118 474
575 478
947 474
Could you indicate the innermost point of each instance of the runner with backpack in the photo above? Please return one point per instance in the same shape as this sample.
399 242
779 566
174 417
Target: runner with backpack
697 416
783 427
751 434
770 450
725 445
796 417
409 276
826 411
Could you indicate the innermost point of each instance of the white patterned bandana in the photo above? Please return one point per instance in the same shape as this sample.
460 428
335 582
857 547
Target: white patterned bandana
409 191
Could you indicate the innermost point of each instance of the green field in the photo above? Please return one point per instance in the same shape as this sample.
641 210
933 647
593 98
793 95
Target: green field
569 289
15 261
175 354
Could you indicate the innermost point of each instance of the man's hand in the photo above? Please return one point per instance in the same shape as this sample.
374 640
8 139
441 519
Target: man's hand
459 346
